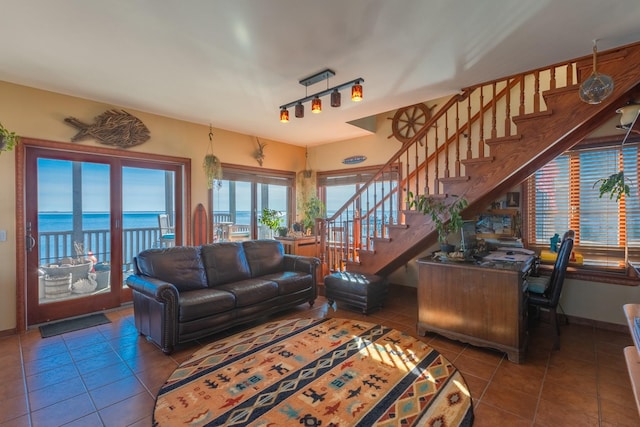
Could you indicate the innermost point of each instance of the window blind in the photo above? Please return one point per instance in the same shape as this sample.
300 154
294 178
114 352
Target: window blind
565 195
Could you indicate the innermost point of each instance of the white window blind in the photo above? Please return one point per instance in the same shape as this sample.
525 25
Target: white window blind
565 195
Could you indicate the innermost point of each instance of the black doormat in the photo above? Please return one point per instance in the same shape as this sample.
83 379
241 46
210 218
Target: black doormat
63 326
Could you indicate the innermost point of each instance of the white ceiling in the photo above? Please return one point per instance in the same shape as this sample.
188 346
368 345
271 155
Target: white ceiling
232 63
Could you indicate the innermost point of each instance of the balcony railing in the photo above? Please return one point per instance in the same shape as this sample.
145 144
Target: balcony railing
57 245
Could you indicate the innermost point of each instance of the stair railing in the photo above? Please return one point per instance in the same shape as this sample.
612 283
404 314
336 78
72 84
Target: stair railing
452 137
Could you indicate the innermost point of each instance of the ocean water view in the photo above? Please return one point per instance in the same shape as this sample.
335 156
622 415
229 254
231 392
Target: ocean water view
140 229
63 221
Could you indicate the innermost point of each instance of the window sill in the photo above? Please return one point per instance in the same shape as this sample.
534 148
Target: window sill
632 278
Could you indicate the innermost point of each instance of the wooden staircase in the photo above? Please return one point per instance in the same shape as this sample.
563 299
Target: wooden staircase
476 148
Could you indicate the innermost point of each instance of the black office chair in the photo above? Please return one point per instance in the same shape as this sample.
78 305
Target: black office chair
549 297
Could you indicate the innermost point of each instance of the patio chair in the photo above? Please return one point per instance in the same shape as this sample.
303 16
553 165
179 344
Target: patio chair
167 235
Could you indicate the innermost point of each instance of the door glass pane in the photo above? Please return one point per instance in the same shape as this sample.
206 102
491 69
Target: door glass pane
148 214
73 229
275 197
232 219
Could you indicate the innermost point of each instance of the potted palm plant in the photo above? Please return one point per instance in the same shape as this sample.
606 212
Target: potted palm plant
444 212
8 140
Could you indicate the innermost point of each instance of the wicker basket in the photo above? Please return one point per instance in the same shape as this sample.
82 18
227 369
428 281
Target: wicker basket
57 286
78 271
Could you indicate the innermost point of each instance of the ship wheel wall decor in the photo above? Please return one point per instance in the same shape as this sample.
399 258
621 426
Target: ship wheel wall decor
407 121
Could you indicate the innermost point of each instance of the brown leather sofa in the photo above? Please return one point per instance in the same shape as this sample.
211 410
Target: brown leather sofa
184 293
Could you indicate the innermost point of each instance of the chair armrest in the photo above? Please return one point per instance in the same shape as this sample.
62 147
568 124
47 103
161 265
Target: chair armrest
154 288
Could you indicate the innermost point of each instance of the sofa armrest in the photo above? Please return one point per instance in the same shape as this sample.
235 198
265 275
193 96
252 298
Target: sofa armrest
304 264
153 288
155 310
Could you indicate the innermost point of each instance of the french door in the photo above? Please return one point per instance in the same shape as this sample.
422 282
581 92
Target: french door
86 217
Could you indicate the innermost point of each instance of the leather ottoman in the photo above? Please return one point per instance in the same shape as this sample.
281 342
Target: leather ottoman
363 291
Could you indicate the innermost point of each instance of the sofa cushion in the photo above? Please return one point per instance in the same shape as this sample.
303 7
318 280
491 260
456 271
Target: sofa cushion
251 291
225 263
290 282
264 256
179 265
204 302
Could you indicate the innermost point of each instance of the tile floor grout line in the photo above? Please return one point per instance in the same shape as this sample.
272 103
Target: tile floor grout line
544 377
24 381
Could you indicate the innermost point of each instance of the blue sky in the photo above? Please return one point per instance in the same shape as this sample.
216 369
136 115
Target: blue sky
143 188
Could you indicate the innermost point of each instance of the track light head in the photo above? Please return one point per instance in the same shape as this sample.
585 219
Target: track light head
316 105
356 92
299 110
284 115
335 98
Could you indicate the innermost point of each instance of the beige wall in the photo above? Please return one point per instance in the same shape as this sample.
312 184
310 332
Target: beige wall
39 114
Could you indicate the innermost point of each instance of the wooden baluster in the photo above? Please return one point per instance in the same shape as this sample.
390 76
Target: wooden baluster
569 73
349 237
357 237
417 169
493 112
552 79
408 174
469 152
375 210
481 112
383 229
536 92
446 145
457 164
507 114
369 240
522 110
426 165
436 170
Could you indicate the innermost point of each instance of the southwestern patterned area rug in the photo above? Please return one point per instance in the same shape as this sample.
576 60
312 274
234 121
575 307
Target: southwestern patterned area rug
315 372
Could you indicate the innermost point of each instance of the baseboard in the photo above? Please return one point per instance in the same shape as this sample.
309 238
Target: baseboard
598 324
607 326
8 332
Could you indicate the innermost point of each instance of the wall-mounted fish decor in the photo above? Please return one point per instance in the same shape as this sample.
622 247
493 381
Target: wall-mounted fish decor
113 127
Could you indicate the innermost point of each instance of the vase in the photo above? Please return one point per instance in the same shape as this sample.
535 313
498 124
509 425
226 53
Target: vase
445 247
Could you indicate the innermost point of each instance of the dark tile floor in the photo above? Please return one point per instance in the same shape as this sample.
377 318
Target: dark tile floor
109 375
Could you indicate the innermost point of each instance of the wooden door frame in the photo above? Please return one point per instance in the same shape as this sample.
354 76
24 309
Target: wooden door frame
20 158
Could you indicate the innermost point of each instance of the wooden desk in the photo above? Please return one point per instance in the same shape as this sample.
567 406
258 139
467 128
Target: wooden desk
484 306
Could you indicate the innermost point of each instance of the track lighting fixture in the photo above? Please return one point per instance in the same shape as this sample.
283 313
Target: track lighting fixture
316 102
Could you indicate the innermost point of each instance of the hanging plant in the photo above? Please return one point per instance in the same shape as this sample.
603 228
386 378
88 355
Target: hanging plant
211 164
8 140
